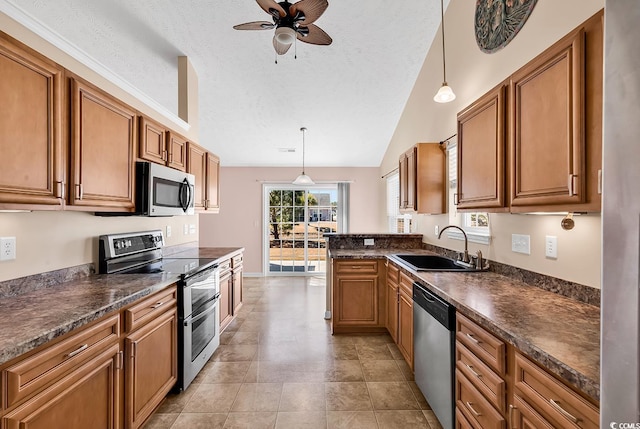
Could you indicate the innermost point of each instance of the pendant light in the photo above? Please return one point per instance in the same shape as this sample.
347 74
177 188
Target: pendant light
303 179
445 93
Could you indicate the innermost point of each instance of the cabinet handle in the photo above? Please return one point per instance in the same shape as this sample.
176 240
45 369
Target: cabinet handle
78 350
510 417
600 182
356 267
572 179
120 362
470 405
164 155
472 338
159 304
455 199
134 346
59 192
564 412
472 371
79 191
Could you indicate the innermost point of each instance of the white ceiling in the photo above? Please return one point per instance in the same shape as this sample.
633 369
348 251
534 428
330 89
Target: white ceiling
349 95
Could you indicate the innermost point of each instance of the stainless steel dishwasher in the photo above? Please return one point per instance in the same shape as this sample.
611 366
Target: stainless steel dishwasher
433 347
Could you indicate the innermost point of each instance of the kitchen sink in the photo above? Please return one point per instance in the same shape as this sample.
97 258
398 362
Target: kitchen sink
432 263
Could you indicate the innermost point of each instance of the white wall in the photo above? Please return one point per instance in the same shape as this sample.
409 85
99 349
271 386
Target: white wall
240 222
471 73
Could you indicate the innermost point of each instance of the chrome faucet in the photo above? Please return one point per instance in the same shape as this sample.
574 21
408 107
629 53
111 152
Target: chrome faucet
464 257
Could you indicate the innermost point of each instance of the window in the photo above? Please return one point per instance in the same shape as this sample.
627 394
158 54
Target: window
397 222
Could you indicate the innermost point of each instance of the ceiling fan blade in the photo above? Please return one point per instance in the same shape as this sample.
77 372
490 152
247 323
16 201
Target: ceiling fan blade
310 10
272 8
256 25
281 48
314 35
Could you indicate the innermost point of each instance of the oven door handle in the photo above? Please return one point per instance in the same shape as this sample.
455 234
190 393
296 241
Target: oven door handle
190 320
214 287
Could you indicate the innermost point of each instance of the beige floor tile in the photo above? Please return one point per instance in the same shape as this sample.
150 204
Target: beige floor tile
252 373
422 402
302 420
432 419
372 339
226 372
392 395
343 351
302 397
405 369
344 370
351 420
263 420
256 397
347 396
226 336
381 370
200 421
235 353
161 421
401 420
242 337
175 402
373 352
395 351
212 398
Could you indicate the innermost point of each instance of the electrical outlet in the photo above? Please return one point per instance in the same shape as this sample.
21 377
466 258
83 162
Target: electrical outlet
168 231
192 228
551 246
436 230
7 248
185 229
521 243
369 241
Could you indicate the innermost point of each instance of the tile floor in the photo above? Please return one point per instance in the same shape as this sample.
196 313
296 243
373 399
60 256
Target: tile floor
278 366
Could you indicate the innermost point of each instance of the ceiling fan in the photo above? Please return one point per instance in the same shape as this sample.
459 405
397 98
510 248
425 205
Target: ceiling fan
292 21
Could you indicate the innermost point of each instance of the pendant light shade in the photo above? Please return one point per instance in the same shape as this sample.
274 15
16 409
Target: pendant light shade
445 93
303 179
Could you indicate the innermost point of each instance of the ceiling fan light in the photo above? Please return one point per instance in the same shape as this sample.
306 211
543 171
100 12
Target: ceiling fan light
445 94
285 35
303 180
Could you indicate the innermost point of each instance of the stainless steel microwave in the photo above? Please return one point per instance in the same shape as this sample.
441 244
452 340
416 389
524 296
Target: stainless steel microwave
163 191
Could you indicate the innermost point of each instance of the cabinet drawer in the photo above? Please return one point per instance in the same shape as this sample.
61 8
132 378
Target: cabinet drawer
393 273
523 416
236 261
36 372
481 343
149 308
461 421
481 376
224 267
475 407
406 284
357 266
552 398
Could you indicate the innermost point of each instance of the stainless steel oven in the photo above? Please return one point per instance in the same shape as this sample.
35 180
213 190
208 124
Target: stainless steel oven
198 292
199 322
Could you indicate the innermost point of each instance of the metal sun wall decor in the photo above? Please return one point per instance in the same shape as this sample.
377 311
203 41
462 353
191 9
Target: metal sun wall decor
498 21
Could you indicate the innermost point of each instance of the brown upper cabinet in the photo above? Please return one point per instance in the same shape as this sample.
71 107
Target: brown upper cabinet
103 137
422 179
31 119
160 145
550 131
481 152
206 167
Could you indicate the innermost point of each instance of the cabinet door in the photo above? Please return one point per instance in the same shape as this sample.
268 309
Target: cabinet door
151 366
213 183
481 152
86 398
177 146
237 290
402 173
547 139
405 326
152 144
226 300
411 179
392 310
31 165
522 416
197 165
102 150
357 301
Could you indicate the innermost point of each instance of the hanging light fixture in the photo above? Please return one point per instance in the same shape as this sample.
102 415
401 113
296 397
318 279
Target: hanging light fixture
303 179
445 93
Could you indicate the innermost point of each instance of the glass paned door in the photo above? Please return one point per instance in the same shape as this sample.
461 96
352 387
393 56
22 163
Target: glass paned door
297 220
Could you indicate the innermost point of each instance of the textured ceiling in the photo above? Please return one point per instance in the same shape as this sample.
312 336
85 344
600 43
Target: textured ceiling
349 95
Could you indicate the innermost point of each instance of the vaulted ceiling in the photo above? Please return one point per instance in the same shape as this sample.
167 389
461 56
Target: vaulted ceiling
349 95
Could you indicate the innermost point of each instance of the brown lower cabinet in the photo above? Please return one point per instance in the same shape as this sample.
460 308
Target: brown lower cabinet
498 387
97 376
405 318
230 289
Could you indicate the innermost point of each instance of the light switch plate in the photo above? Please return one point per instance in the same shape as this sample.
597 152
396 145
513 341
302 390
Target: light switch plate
369 241
436 230
185 229
192 228
168 231
7 248
521 243
551 246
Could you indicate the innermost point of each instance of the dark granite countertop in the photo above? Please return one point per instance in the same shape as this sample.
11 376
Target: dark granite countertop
39 315
560 333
